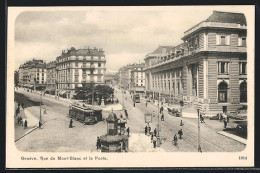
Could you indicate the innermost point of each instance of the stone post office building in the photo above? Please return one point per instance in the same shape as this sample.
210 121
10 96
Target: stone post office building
209 69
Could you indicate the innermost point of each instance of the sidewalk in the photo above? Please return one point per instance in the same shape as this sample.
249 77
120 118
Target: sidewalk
20 132
237 138
142 143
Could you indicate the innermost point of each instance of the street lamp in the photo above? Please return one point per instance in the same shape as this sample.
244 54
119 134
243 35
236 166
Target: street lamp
199 148
41 108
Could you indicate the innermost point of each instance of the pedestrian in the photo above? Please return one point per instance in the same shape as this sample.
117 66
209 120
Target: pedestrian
134 104
22 105
181 124
40 124
151 137
25 124
162 117
155 132
161 109
98 143
121 116
180 133
202 119
71 123
145 130
21 121
227 119
175 139
225 123
44 111
154 141
128 131
18 120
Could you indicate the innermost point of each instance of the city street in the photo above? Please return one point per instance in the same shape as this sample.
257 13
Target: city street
56 136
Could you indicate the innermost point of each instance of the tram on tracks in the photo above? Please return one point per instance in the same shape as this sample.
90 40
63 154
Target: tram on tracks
86 114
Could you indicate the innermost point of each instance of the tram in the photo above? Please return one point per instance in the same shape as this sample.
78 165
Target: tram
85 113
136 98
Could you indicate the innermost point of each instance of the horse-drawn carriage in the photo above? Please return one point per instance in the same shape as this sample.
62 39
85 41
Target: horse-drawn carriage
174 112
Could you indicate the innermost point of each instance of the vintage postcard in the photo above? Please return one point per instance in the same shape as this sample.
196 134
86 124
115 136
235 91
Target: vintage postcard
139 86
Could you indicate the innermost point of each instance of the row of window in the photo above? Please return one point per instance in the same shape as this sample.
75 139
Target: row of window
225 40
77 58
223 67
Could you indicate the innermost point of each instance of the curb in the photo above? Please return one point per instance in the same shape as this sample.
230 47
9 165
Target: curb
26 134
238 139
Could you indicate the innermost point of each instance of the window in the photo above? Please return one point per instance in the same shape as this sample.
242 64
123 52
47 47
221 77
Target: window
223 40
76 78
141 81
243 41
243 92
38 70
42 74
223 67
222 92
99 64
42 70
141 84
38 74
242 67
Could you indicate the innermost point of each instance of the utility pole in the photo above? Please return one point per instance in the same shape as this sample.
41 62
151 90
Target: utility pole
93 98
41 107
199 148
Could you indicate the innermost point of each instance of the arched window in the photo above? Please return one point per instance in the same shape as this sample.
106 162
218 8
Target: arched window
243 92
222 92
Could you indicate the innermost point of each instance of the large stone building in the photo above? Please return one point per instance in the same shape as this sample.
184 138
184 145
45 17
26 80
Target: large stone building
33 74
209 69
78 67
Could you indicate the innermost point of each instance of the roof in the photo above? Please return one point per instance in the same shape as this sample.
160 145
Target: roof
227 17
161 50
112 117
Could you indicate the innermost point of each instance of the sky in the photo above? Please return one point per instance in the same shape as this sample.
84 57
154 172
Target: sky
126 34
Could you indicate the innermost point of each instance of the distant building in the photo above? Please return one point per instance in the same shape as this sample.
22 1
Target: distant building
124 76
137 83
32 74
78 67
209 69
51 76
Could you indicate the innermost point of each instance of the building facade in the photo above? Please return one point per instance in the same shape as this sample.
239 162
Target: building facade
137 82
208 69
77 67
127 79
51 76
33 74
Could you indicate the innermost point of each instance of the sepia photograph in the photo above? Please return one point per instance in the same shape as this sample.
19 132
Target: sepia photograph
148 86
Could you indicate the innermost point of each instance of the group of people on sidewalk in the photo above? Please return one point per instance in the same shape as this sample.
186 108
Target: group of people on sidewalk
20 120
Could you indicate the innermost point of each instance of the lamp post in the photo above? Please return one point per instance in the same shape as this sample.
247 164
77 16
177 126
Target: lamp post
41 107
199 148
